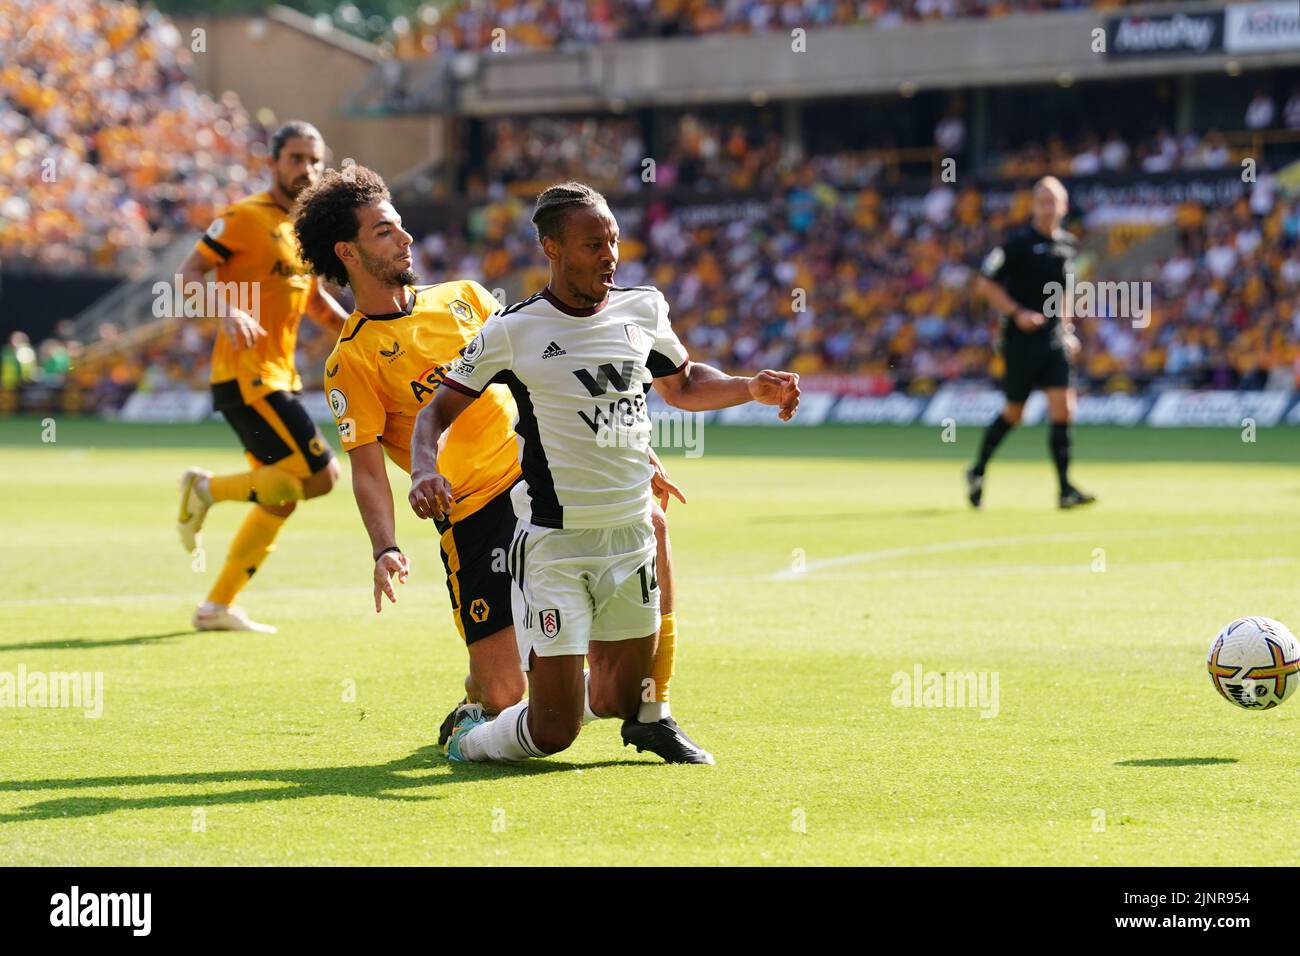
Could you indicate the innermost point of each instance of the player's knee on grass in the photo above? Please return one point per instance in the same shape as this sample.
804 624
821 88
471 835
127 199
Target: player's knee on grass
552 733
323 481
280 511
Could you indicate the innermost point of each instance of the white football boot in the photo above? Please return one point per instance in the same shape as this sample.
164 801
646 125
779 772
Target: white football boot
195 502
221 617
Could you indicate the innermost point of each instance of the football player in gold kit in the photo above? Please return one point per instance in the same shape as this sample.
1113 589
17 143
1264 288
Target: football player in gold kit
254 381
389 360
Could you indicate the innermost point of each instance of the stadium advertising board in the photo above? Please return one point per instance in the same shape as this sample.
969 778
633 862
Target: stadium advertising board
1207 188
1262 27
169 406
1228 409
1177 33
1116 409
976 405
893 409
842 402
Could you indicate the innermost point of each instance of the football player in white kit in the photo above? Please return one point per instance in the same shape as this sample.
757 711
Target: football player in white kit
577 356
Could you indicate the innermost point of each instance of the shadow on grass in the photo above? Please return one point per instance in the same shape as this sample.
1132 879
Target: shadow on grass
90 643
389 781
1176 762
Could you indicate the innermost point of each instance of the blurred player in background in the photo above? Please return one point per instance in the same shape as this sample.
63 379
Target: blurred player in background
254 381
390 358
1038 349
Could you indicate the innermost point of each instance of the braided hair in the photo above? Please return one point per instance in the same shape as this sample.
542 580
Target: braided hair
555 203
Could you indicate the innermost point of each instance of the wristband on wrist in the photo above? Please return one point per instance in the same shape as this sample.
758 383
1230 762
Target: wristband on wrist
386 550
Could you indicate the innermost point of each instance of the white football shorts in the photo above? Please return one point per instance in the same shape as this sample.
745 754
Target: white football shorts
574 586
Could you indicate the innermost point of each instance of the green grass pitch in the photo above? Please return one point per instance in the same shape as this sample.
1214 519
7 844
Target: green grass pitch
1109 745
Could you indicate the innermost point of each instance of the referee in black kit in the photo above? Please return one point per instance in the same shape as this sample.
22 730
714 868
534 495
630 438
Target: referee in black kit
1038 349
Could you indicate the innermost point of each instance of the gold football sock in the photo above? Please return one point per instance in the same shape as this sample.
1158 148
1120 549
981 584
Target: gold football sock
268 486
661 671
254 540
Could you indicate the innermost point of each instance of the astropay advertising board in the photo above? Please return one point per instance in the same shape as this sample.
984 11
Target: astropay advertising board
1178 33
1262 27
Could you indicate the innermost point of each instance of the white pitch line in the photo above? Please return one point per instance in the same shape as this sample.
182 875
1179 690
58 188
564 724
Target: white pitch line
975 544
783 575
996 570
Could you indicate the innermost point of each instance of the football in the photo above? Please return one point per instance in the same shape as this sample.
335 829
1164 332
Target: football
1255 662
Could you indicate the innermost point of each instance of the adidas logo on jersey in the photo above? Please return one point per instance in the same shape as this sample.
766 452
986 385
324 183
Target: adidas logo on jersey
553 350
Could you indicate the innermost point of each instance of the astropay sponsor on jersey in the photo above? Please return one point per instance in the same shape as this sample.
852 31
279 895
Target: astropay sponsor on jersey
103 909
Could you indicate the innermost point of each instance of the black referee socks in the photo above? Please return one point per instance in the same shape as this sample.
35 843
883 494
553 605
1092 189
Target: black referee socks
1058 440
993 436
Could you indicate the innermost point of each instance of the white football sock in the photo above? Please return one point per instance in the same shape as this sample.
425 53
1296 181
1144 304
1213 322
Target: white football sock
588 715
651 711
505 737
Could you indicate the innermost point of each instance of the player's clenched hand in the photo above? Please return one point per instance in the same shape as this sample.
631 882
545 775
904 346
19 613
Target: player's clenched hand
430 495
242 329
776 388
661 486
1072 345
388 564
1027 321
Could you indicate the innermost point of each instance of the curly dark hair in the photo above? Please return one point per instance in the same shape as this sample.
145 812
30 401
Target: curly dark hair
327 213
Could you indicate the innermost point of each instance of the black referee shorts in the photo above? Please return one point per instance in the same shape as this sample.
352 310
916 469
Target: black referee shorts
474 552
1031 366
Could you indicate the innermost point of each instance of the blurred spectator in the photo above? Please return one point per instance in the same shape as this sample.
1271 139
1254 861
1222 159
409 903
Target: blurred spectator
1086 162
1291 112
17 362
950 134
1115 153
1260 112
1161 155
55 362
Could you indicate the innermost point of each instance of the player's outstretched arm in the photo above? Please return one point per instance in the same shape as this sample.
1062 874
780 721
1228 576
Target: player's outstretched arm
374 498
430 495
698 388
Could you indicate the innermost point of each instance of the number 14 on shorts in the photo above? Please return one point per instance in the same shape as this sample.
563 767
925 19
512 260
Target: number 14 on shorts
649 579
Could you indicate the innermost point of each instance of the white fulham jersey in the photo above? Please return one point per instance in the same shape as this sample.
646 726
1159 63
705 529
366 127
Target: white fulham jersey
579 377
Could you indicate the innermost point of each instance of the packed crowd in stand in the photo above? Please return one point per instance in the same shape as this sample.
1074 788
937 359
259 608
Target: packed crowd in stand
704 154
697 154
109 150
542 24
